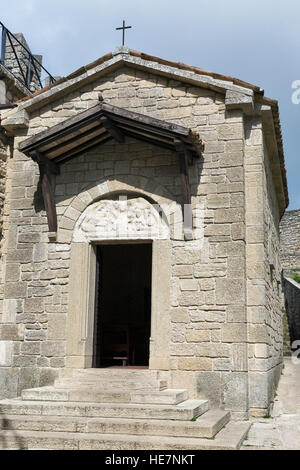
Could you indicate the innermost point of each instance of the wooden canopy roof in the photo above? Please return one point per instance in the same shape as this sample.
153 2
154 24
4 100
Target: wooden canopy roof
104 122
97 125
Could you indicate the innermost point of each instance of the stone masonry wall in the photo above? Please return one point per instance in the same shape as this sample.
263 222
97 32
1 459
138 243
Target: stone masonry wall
290 259
23 56
263 272
290 240
208 339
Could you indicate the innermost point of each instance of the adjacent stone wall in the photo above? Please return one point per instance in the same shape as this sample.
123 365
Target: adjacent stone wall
290 239
23 56
292 305
290 259
210 325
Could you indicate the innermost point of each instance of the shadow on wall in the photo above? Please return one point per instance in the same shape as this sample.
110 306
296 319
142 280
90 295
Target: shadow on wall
9 438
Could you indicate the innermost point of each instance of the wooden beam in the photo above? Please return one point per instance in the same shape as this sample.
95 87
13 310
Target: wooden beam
42 160
82 148
112 129
48 196
63 128
79 140
183 155
112 111
47 170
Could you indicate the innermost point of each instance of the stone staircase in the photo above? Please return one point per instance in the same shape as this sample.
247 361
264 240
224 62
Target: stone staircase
115 409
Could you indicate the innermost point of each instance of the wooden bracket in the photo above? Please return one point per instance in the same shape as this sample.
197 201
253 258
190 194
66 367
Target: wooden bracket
184 156
112 129
47 170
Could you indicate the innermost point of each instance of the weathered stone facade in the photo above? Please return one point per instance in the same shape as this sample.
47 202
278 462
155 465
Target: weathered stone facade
290 240
216 299
290 260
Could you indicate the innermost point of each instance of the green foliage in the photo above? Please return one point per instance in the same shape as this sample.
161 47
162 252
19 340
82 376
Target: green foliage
296 277
267 416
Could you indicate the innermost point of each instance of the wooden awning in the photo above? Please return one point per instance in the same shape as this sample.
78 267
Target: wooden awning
97 125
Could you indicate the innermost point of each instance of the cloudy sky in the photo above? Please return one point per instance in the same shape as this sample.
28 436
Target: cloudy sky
256 41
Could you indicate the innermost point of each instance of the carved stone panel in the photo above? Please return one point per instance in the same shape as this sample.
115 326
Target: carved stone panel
121 219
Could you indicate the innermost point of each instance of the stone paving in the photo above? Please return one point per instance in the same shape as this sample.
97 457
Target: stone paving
282 430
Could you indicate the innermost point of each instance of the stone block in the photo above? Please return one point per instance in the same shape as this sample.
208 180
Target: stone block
20 255
28 378
235 267
57 327
256 294
6 352
197 336
234 332
12 272
189 285
14 290
236 314
221 364
231 131
10 332
183 271
192 298
40 251
229 215
179 315
9 378
215 201
235 386
209 386
48 376
239 357
258 390
34 305
53 348
217 230
195 363
10 307
31 347
212 350
258 333
230 291
207 284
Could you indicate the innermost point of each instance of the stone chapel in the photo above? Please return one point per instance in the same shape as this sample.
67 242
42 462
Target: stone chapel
141 201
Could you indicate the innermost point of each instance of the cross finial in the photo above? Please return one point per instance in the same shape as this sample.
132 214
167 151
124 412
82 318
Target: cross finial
123 28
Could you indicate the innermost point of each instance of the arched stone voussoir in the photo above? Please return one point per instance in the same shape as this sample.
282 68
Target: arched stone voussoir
126 184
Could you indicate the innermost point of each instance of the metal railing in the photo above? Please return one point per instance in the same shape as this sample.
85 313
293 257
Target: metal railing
18 59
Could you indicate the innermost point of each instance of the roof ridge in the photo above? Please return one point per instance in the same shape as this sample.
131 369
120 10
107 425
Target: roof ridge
143 55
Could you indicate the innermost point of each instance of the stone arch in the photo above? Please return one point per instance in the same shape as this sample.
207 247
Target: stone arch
120 219
108 187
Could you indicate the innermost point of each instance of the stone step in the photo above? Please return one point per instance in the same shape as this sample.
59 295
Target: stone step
84 394
92 394
206 426
187 410
107 383
112 373
229 438
167 397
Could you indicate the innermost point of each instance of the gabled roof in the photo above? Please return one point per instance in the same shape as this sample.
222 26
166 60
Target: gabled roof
147 57
195 76
104 122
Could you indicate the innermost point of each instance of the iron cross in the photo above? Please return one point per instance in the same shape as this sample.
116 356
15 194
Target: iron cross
124 27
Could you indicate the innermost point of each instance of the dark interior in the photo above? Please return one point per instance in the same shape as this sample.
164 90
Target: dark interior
123 305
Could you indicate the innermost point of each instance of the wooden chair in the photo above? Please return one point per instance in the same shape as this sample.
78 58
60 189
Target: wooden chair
116 346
